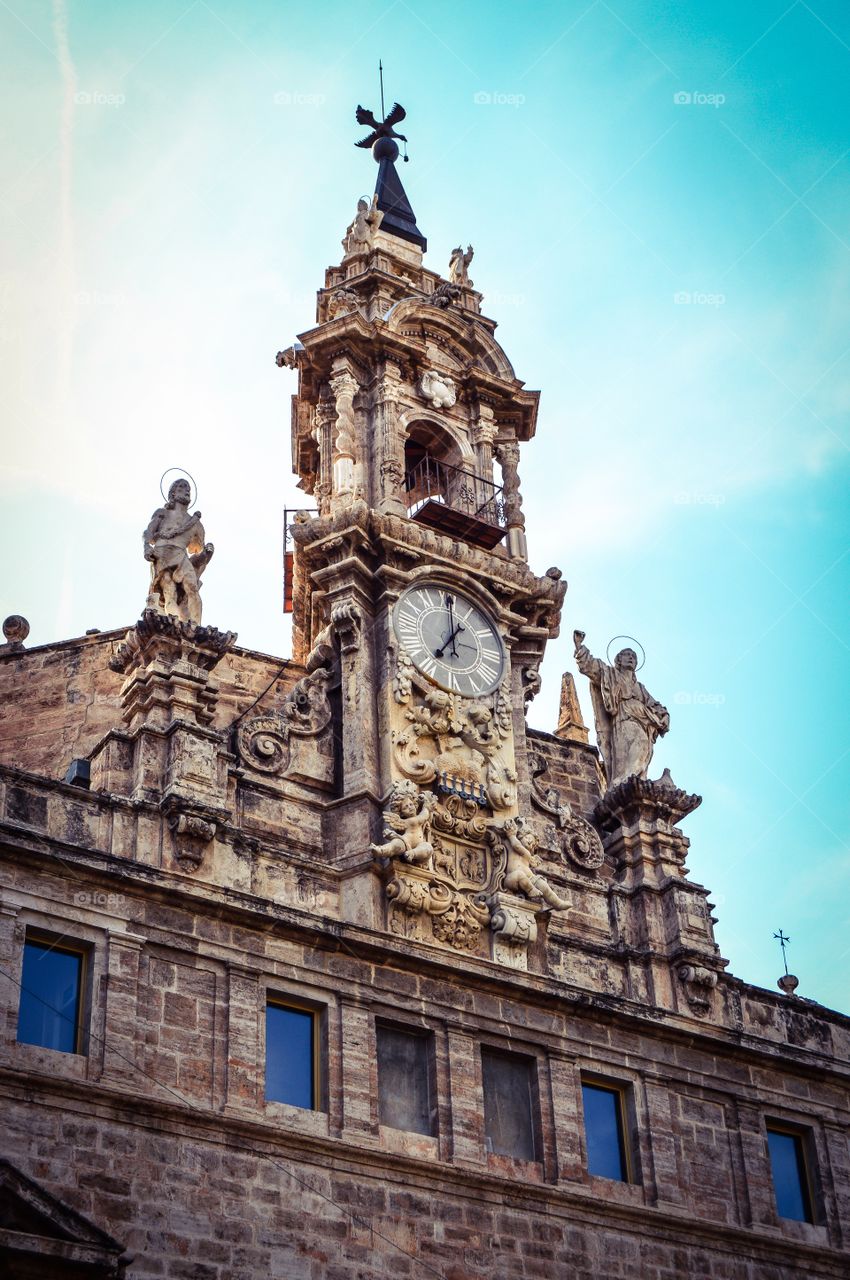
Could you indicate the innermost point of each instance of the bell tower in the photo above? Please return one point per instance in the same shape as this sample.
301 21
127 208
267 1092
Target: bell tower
410 579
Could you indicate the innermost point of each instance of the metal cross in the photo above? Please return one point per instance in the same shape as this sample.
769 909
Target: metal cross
782 940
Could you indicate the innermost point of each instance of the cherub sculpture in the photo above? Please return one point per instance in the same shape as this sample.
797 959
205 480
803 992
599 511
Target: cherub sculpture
174 545
521 874
361 231
407 826
459 266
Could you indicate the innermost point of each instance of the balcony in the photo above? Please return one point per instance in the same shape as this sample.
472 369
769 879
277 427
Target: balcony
455 502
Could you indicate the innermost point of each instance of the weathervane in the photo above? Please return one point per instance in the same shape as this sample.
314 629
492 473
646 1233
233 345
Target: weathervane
383 128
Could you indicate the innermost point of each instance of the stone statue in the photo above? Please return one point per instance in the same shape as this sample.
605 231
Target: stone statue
459 266
628 719
174 545
407 825
521 874
361 232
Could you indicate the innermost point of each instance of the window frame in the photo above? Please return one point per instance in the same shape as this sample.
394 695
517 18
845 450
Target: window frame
39 937
298 1004
428 1037
532 1061
622 1091
804 1145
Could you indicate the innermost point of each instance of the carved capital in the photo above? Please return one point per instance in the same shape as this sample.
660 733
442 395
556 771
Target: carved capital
699 983
192 829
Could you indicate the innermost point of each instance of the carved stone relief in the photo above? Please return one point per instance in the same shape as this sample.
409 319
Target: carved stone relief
566 831
272 743
438 389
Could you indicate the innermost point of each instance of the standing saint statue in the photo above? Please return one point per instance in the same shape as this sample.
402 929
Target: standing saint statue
360 234
174 545
628 719
459 266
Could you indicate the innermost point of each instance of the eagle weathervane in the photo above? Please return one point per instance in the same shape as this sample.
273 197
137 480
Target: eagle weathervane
382 129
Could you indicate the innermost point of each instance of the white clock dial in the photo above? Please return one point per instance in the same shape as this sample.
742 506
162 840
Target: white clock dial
451 640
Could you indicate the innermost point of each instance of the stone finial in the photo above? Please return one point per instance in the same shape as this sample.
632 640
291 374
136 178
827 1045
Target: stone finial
174 544
571 726
788 983
15 629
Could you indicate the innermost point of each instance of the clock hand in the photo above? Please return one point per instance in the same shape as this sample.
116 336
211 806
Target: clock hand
438 653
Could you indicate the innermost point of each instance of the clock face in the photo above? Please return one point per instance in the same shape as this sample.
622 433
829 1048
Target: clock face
451 640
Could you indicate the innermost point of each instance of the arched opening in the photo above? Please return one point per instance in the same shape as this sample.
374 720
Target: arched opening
444 490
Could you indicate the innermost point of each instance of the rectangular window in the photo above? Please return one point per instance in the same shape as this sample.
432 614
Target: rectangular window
509 1110
605 1132
404 1080
51 1006
292 1055
790 1174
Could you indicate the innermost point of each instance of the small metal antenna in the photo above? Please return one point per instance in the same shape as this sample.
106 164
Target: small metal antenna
381 74
783 941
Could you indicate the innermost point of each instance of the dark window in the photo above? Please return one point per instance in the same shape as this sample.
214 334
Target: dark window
291 1059
404 1080
51 996
509 1125
790 1177
604 1131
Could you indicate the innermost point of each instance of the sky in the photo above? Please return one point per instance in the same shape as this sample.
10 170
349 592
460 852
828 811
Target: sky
657 196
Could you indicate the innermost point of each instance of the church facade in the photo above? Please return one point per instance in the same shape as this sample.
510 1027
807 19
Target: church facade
331 967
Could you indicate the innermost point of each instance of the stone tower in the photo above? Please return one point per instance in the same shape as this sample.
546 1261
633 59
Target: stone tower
407 427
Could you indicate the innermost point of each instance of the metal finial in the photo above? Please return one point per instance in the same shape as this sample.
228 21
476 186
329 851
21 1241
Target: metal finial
381 74
783 942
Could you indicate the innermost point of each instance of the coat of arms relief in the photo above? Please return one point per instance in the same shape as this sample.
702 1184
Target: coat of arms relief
462 865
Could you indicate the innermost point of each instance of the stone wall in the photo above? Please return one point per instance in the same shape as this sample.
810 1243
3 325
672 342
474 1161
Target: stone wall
160 1134
57 701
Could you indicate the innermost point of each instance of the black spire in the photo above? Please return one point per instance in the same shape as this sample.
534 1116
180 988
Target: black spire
399 219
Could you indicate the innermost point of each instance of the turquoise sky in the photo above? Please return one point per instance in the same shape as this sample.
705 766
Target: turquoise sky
658 200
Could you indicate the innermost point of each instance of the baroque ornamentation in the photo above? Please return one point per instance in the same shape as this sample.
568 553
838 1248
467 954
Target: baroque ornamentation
445 295
265 742
461 744
438 389
192 829
521 873
360 235
174 545
201 646
577 839
628 719
699 982
459 266
407 825
342 302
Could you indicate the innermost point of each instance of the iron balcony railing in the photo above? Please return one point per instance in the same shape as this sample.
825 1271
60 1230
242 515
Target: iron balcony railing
430 481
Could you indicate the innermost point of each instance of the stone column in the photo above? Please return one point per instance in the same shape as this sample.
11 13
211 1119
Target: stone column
508 454
661 913
388 444
325 417
121 1007
467 1100
483 435
359 1071
245 1087
175 758
344 386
